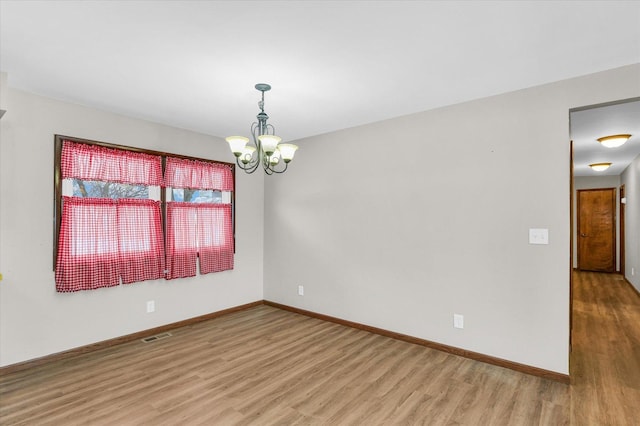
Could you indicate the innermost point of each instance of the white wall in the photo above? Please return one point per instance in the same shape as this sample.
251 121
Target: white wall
401 223
595 182
374 234
631 180
34 319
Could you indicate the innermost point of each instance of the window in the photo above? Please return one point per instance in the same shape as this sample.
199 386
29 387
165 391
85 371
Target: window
199 219
110 212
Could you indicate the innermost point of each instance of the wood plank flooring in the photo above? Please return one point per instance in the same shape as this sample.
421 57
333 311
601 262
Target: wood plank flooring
605 361
265 366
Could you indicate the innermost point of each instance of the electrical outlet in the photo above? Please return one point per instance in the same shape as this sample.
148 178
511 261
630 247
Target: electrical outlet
151 306
633 271
458 321
300 290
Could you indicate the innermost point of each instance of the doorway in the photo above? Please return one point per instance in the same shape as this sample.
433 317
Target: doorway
586 125
596 229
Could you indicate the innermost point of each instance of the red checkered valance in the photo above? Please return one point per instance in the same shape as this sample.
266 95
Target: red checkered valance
194 174
94 162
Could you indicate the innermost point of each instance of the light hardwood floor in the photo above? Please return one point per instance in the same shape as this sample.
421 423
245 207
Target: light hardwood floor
605 361
266 366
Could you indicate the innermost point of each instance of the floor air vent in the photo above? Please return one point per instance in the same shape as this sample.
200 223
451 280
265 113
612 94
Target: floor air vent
156 337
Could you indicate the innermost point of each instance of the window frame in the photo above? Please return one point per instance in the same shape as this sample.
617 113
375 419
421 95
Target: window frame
57 183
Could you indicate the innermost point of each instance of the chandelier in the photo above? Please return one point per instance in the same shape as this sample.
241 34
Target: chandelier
265 149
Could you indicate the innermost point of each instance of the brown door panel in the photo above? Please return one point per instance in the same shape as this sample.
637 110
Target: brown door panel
596 229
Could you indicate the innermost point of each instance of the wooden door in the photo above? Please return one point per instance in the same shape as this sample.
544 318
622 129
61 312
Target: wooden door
596 229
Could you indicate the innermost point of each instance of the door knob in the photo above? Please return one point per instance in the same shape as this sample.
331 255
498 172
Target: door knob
583 235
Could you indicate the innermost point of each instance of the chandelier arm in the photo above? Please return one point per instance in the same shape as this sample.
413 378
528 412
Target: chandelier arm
286 165
250 167
271 168
255 132
266 165
270 126
254 127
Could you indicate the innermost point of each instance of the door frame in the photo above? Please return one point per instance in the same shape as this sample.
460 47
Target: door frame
571 242
621 208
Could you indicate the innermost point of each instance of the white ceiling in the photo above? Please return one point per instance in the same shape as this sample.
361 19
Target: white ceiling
332 64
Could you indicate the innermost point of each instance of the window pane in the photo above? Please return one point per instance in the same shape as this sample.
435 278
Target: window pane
196 195
93 230
97 189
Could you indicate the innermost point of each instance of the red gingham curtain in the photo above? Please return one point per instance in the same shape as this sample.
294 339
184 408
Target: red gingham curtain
182 249
141 252
94 162
194 174
103 240
198 230
88 245
215 237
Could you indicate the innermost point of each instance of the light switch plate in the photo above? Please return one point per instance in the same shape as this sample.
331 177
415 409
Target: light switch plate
538 236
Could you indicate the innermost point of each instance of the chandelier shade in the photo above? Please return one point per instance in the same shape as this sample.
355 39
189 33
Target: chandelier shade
288 151
237 144
264 149
269 143
247 154
274 159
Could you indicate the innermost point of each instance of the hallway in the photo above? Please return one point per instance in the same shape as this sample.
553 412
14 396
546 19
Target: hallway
605 361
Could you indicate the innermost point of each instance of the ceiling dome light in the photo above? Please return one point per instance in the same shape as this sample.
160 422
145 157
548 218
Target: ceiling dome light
600 167
614 141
